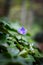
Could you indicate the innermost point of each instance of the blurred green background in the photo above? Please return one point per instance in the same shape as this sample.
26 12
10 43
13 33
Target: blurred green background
27 12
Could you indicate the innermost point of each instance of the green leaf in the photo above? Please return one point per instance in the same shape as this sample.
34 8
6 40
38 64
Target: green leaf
13 51
28 34
11 29
20 60
30 58
2 38
23 53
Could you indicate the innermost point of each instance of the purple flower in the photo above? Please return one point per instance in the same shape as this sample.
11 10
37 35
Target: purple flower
22 30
